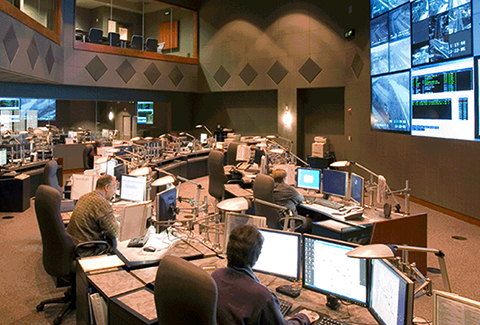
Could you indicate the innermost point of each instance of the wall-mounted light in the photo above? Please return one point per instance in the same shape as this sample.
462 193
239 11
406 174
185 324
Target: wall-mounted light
287 117
110 116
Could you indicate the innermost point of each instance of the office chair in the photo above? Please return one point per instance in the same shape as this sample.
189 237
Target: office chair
263 190
216 175
59 251
95 35
50 176
232 153
137 42
184 293
88 154
151 44
114 39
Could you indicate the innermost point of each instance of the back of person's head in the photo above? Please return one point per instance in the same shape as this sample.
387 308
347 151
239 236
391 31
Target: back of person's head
104 180
279 175
244 246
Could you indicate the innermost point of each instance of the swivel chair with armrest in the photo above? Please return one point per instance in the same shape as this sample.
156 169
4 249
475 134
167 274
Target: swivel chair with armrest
151 44
137 42
87 155
216 175
114 39
184 293
232 153
95 35
59 251
263 191
50 176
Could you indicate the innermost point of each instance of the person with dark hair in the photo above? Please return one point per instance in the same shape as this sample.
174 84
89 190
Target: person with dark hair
242 299
284 194
93 218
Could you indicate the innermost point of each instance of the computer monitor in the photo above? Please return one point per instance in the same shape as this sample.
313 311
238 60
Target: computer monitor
281 252
3 157
335 182
118 171
133 188
390 297
110 167
166 202
259 153
452 309
203 138
309 178
328 270
357 188
133 221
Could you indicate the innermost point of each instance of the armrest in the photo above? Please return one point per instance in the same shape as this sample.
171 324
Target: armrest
300 223
100 246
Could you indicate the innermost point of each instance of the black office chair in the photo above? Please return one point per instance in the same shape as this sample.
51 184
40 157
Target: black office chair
263 190
184 293
59 251
114 39
216 175
50 176
95 35
137 42
151 44
87 155
232 153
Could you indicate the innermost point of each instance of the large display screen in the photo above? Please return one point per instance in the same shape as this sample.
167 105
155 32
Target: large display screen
422 69
144 112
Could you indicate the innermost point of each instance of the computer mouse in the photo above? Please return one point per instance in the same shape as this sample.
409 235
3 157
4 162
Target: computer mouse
150 249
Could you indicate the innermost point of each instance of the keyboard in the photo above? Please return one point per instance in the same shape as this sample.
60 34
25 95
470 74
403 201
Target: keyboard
329 204
285 307
325 320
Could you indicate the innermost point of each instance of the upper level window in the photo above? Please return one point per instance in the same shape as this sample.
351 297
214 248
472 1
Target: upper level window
140 25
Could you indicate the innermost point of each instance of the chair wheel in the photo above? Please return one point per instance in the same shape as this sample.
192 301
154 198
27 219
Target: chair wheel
40 307
57 321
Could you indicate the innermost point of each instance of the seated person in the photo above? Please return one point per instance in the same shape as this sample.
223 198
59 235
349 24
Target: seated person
242 299
284 194
92 218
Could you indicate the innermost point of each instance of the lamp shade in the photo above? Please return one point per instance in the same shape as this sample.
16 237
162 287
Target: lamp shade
113 150
373 251
144 171
277 151
340 163
236 204
163 181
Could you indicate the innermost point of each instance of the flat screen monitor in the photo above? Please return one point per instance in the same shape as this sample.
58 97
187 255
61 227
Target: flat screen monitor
309 178
452 309
335 182
357 188
3 157
281 253
328 270
203 138
110 167
144 112
390 297
166 203
118 171
133 188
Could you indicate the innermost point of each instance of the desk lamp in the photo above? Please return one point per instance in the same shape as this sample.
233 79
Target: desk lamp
142 171
199 126
381 251
165 180
382 186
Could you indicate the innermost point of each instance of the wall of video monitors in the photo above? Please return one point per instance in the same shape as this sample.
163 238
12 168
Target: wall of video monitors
424 78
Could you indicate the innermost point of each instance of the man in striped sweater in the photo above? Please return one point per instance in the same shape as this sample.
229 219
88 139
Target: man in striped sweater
92 218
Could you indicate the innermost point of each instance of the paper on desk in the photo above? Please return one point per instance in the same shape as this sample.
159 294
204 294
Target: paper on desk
161 241
100 262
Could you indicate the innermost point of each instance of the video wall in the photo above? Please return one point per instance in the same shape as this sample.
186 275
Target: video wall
144 112
424 78
15 111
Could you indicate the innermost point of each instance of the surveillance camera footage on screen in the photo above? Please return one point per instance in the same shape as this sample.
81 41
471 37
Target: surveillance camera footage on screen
424 63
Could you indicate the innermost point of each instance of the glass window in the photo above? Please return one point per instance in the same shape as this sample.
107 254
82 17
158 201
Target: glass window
42 11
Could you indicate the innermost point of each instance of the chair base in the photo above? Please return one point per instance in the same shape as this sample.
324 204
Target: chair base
67 299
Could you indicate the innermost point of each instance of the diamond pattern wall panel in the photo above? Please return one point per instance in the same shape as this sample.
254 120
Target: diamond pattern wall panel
11 44
96 68
357 65
310 70
248 74
221 76
152 73
32 53
126 71
277 72
50 60
176 76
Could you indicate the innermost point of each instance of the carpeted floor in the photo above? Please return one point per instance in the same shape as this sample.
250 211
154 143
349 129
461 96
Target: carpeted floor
24 282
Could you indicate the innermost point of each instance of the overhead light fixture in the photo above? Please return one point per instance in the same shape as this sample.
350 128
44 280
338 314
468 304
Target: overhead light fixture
110 115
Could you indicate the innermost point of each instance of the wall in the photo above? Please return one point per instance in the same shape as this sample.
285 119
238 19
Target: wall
235 33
